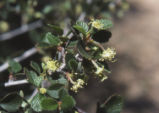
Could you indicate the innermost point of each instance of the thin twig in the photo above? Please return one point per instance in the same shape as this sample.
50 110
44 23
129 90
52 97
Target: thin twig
66 30
63 60
24 56
33 94
77 56
21 30
98 44
80 110
82 16
59 56
13 83
89 1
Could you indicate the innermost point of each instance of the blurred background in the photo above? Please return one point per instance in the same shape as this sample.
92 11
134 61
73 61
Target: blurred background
135 75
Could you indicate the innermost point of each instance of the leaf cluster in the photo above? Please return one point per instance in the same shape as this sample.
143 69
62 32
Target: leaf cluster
78 58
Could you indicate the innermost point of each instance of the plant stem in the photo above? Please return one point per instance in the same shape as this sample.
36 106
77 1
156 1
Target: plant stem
13 83
21 30
98 44
24 56
80 110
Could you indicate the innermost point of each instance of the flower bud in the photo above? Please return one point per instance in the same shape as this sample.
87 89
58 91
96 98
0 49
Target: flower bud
4 26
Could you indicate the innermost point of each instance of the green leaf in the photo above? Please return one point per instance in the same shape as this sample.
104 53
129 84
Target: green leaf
53 93
82 51
21 93
59 93
36 102
73 64
49 104
47 9
63 92
82 27
35 36
44 45
64 38
102 36
33 78
57 84
107 23
114 104
72 44
35 66
56 29
96 54
50 40
68 58
14 66
106 67
71 47
29 110
62 81
11 102
67 102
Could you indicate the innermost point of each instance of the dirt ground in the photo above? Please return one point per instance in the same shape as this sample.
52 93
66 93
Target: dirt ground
135 75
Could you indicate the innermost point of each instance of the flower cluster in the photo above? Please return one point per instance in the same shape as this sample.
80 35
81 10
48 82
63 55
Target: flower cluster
50 64
46 58
78 84
108 54
99 71
97 24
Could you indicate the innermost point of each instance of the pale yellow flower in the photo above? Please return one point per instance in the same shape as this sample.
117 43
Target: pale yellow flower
95 48
97 24
103 78
108 54
46 59
78 84
42 90
52 65
99 70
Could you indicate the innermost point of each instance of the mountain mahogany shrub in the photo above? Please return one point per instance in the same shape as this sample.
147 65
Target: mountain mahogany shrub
68 63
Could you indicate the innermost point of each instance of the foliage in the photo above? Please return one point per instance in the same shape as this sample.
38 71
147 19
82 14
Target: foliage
66 71
114 104
69 60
